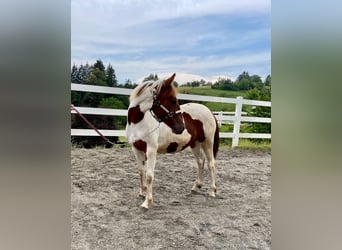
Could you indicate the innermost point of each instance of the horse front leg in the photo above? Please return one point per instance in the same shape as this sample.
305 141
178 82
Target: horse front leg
142 175
141 159
150 164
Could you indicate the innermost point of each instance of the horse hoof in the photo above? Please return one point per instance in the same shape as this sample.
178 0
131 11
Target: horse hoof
144 208
146 204
212 191
212 194
194 191
196 188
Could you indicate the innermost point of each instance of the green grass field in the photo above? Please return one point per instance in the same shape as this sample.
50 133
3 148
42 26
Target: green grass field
207 91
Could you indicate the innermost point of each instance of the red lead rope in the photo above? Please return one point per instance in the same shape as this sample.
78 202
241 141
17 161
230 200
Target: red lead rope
90 125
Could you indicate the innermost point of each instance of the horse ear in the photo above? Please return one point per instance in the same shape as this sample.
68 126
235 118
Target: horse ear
169 80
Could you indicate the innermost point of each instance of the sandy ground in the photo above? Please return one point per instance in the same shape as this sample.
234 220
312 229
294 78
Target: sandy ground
106 213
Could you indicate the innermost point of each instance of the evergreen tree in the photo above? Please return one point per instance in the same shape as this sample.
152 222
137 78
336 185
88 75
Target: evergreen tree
97 77
111 77
74 73
83 73
128 84
151 77
79 75
99 65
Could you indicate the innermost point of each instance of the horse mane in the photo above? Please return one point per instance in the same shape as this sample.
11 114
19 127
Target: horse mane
140 93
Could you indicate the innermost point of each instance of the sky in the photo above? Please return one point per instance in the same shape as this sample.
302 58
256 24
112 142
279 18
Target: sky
209 38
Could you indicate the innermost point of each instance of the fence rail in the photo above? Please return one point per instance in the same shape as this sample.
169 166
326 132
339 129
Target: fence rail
223 117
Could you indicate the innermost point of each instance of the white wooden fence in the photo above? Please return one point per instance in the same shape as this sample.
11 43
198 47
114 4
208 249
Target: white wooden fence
235 117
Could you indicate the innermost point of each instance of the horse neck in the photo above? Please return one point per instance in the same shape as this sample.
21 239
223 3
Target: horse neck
144 100
148 123
144 104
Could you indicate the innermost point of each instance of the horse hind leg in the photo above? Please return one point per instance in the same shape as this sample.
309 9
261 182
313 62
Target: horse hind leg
200 164
209 153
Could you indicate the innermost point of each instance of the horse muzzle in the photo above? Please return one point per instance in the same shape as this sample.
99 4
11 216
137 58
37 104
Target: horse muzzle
178 129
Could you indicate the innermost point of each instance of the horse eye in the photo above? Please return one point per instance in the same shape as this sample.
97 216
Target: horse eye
173 102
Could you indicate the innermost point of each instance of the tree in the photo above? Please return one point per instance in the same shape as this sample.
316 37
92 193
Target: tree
79 75
99 65
256 82
83 73
255 78
263 94
268 81
245 84
195 83
97 76
128 84
242 76
244 81
111 77
151 77
74 73
75 96
227 84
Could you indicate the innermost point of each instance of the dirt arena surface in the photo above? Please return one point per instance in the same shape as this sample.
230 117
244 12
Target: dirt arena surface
106 213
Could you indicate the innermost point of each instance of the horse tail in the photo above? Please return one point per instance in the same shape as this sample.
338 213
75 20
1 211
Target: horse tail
216 139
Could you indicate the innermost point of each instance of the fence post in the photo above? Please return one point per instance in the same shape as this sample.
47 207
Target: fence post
220 118
236 131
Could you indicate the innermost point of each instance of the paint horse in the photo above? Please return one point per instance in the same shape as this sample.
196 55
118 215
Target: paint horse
156 123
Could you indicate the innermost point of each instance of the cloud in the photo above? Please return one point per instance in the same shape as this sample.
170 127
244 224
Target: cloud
205 37
201 35
92 15
208 66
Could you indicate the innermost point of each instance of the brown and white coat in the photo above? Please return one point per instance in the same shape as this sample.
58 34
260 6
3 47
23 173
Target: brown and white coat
167 127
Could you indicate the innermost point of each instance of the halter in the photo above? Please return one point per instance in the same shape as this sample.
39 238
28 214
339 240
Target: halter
157 104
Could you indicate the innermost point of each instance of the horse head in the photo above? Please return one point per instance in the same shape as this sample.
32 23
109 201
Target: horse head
165 107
